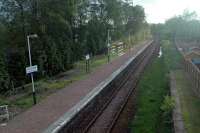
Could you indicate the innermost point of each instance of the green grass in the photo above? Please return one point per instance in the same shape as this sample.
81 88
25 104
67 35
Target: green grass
189 103
152 89
3 101
171 55
57 84
25 102
154 86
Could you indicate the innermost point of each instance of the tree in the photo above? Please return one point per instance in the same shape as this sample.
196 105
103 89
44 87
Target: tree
67 30
183 27
4 77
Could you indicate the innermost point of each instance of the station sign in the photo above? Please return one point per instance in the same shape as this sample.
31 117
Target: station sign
31 69
87 57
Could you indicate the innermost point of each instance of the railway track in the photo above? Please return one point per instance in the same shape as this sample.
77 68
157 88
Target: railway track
106 119
121 122
101 109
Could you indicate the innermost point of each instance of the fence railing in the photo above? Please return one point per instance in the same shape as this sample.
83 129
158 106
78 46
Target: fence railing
118 49
4 114
194 74
193 71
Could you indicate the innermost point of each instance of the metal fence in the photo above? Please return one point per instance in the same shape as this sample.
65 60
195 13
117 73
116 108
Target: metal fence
193 72
118 49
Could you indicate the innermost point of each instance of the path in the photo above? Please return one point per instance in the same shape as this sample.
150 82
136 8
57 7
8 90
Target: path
177 114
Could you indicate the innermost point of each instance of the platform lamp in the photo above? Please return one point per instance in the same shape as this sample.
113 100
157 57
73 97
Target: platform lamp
32 36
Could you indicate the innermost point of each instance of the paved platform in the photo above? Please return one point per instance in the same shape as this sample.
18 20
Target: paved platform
39 117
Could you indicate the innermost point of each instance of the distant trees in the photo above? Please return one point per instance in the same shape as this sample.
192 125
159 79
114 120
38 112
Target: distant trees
184 27
67 30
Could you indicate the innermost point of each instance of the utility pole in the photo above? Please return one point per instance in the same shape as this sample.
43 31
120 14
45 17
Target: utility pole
30 62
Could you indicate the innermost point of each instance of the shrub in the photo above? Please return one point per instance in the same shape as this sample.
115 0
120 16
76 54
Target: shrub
168 105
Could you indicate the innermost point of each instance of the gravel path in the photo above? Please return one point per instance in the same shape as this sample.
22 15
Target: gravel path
39 117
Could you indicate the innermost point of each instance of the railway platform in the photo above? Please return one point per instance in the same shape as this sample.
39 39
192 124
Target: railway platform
41 116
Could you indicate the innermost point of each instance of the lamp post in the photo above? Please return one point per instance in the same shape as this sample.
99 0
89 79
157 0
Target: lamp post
108 45
129 42
30 61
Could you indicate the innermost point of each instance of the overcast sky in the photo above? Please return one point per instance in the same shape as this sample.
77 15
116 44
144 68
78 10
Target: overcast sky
157 11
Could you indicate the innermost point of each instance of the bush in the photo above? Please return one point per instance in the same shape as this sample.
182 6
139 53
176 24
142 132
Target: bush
168 105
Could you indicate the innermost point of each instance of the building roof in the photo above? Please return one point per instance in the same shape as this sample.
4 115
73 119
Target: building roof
195 49
192 55
196 61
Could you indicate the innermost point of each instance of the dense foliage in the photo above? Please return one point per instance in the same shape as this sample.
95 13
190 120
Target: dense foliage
67 30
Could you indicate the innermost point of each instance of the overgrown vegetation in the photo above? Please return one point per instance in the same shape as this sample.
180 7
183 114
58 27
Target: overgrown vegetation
185 28
154 114
168 105
151 91
171 56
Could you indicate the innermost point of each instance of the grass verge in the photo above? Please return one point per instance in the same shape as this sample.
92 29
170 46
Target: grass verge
152 89
171 56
